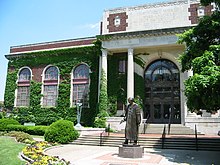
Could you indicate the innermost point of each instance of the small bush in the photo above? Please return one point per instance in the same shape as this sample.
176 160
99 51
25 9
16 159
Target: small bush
61 131
32 130
5 122
20 136
100 122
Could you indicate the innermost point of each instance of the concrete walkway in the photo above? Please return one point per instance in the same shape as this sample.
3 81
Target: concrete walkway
100 155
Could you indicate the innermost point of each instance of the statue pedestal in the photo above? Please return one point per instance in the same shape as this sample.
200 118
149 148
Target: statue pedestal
130 151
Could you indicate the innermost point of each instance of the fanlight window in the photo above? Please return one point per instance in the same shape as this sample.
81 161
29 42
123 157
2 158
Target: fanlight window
23 90
51 73
25 74
81 85
50 92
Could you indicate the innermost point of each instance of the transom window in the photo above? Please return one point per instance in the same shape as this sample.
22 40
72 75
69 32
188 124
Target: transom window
50 92
23 90
51 73
80 84
24 74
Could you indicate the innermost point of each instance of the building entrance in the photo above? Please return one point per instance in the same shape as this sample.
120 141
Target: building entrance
162 92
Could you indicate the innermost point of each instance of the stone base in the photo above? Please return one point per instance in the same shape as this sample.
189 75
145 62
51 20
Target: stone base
130 151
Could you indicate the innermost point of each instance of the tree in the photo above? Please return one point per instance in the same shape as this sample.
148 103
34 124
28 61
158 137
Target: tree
202 56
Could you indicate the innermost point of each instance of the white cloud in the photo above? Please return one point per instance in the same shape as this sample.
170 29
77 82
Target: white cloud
91 26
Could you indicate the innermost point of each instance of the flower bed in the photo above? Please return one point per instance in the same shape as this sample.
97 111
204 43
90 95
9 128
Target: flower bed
34 155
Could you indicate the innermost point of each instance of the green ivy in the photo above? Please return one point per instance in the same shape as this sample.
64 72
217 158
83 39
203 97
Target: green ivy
65 60
10 89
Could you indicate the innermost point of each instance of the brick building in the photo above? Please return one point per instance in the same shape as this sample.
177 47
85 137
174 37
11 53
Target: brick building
139 56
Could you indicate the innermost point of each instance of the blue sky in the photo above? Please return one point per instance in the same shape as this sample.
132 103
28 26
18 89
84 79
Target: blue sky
33 21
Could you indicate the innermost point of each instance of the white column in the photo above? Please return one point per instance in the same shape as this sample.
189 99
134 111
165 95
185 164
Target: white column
104 61
130 75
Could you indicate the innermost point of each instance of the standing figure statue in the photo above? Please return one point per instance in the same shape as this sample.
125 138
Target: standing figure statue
133 120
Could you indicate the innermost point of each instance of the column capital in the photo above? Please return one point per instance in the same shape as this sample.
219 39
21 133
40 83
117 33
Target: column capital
130 51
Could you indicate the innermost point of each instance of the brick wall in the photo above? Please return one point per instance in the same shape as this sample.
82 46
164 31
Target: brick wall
123 24
51 45
194 12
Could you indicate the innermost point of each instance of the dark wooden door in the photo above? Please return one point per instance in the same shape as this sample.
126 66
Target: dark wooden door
162 92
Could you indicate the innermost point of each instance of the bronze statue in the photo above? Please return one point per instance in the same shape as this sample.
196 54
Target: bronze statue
133 120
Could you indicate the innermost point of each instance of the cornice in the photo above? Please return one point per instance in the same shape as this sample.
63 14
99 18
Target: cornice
140 34
151 5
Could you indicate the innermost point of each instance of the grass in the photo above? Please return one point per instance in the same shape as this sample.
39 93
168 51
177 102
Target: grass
9 150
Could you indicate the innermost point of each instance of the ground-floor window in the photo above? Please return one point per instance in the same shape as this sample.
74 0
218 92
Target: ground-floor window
23 96
50 95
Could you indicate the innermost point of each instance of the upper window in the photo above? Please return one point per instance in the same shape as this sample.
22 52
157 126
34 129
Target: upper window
122 66
24 74
81 71
80 88
23 90
51 73
50 87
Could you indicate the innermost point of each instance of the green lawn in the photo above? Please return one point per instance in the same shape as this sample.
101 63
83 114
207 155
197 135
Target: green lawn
9 150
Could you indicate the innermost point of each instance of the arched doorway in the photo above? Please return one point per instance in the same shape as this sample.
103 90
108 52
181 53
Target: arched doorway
162 92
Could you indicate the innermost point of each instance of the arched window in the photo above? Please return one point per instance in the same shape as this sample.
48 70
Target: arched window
23 90
50 89
162 92
80 82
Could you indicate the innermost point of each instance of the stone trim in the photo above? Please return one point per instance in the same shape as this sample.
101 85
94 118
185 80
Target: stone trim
51 45
146 33
150 5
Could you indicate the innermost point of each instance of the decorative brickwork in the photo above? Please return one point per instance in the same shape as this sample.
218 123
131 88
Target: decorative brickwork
37 72
52 45
119 24
194 12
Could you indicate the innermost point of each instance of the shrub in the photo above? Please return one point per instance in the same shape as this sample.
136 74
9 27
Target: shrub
20 136
61 131
5 122
100 122
32 130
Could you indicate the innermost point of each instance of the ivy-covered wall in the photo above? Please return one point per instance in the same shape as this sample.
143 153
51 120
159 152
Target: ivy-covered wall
117 82
65 60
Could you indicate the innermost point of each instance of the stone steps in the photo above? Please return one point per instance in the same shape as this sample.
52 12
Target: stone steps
184 143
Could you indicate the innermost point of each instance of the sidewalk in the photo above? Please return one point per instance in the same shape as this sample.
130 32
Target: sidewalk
100 155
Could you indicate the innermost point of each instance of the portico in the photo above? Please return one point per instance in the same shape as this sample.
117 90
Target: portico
149 46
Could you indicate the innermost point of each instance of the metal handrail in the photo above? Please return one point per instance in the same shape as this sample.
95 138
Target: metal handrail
101 137
145 123
163 136
196 138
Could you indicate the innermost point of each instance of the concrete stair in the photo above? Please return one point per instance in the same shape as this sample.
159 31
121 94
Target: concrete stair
175 129
170 142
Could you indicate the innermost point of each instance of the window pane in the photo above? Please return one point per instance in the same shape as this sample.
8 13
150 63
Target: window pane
23 96
51 73
50 95
25 74
122 66
81 71
81 94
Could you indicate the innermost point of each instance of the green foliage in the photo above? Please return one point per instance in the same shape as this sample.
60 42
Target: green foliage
103 97
5 122
112 105
65 60
10 89
202 55
32 130
61 131
20 136
100 122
